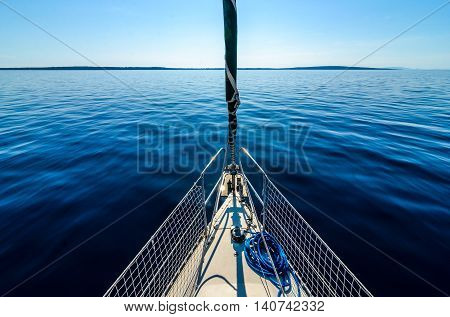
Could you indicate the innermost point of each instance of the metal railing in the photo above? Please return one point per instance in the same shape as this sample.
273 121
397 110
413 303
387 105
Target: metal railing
174 250
319 269
169 263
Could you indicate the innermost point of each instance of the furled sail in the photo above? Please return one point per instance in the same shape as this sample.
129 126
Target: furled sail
232 93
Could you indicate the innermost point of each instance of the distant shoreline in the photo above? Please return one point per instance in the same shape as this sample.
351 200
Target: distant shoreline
193 68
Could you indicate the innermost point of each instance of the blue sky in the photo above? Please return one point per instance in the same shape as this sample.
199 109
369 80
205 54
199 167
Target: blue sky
181 33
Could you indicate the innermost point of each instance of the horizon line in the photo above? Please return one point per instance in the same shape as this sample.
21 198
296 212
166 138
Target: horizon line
324 67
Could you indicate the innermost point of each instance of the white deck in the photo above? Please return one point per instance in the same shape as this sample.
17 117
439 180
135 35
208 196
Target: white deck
224 271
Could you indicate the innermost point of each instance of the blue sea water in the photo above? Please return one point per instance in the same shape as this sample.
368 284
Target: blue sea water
76 204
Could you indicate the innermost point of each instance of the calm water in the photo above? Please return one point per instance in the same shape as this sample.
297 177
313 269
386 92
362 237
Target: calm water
378 150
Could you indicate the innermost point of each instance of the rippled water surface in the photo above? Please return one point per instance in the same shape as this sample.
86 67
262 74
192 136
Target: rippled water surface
377 145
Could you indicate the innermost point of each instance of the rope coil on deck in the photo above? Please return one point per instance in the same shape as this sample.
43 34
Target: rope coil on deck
260 261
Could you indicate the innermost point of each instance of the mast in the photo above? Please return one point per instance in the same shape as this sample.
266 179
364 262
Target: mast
232 93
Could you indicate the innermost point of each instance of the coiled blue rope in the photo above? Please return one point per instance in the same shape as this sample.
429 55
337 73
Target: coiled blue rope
259 261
